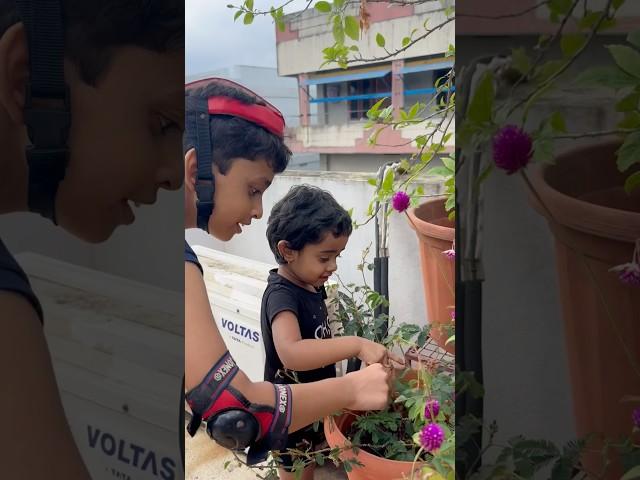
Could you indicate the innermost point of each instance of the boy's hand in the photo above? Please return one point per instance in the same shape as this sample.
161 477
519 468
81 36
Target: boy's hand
370 387
371 352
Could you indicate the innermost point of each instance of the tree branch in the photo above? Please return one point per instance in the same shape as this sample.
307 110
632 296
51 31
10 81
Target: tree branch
506 15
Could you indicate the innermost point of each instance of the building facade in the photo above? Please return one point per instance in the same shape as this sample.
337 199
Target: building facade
333 102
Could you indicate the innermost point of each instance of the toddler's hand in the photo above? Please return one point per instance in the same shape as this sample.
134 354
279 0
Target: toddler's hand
371 352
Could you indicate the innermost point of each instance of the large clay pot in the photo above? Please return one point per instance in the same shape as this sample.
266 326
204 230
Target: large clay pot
373 467
595 224
435 235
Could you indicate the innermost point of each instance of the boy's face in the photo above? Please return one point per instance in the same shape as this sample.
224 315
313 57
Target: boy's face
238 196
316 262
125 141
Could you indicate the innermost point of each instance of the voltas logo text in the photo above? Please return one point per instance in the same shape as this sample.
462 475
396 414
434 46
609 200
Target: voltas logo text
241 330
132 454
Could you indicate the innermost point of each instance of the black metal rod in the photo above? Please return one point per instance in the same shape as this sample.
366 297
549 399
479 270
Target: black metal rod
468 357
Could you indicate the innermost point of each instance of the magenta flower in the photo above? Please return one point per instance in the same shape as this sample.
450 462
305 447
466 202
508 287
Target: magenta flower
400 201
636 417
512 148
450 254
431 409
629 273
431 437
453 315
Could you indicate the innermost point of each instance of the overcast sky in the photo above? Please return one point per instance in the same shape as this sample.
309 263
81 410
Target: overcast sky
214 40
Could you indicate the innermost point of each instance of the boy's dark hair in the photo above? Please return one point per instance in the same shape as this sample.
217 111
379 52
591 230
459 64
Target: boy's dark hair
94 30
235 137
304 216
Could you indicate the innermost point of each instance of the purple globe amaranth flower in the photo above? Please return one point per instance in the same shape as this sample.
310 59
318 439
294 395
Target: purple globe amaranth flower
629 273
431 409
512 148
635 416
431 437
400 201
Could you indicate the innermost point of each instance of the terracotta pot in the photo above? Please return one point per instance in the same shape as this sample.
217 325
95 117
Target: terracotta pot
373 467
436 234
595 224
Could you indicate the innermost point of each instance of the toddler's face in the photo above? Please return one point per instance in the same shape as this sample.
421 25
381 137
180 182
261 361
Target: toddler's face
315 263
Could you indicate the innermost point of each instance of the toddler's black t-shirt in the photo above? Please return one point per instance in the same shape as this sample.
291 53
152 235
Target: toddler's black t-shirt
311 311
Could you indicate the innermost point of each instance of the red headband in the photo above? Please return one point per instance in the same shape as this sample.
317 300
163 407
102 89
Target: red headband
267 117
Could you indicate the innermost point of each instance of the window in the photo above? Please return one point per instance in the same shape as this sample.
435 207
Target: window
358 107
439 80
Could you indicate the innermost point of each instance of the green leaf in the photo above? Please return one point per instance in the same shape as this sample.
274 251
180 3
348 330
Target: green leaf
631 120
414 110
352 27
607 24
634 38
439 172
627 59
482 101
338 3
281 25
608 77
376 106
387 183
632 182
338 30
323 7
248 18
450 203
520 60
449 163
631 474
237 15
380 40
372 181
629 103
560 7
249 4
319 459
571 43
589 20
406 41
557 122
629 152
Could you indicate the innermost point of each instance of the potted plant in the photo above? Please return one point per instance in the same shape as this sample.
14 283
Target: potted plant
413 438
415 433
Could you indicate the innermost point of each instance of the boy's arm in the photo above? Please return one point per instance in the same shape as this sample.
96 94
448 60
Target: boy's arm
301 355
366 389
37 440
